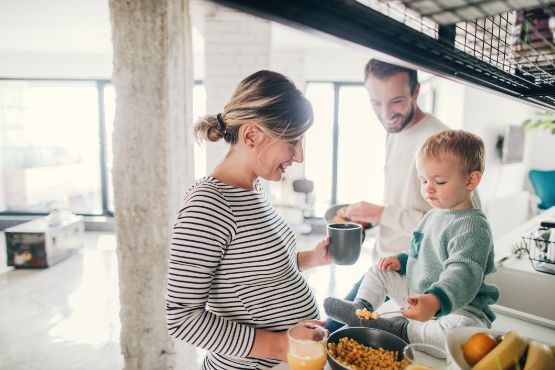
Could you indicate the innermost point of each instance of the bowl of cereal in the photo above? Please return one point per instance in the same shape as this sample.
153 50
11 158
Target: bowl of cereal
365 348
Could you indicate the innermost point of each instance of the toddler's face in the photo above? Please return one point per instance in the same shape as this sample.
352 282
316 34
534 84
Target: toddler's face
444 183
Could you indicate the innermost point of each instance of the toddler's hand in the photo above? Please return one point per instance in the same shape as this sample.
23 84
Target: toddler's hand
390 263
423 307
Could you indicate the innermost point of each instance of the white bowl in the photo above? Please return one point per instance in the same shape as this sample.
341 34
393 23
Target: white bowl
457 338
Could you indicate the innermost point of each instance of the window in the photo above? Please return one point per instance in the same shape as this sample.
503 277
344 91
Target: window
361 154
56 140
109 104
199 109
50 146
319 145
345 148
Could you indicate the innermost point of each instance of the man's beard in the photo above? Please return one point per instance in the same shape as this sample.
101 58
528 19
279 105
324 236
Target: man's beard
403 124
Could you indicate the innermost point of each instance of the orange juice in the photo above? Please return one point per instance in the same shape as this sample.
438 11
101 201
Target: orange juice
308 356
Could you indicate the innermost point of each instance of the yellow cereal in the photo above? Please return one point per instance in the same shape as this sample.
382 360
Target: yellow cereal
360 357
366 315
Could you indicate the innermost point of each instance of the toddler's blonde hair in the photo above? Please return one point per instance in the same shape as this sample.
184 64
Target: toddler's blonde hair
461 145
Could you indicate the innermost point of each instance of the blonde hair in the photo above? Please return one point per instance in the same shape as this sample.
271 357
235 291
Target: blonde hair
459 144
266 99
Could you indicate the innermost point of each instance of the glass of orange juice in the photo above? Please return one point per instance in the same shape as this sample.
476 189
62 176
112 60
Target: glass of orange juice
426 357
307 347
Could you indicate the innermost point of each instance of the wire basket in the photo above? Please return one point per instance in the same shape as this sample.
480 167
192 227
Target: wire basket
540 245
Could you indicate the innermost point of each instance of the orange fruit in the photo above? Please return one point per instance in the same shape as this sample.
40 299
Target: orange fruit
477 346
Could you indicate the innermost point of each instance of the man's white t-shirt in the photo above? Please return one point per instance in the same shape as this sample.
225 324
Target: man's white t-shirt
404 204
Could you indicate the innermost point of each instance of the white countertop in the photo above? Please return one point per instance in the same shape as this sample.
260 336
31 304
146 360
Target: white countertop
526 294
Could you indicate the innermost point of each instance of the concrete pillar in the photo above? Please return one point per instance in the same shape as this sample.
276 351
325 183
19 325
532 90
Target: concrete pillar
153 165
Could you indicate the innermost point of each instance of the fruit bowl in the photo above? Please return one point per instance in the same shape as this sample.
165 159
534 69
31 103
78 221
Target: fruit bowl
457 338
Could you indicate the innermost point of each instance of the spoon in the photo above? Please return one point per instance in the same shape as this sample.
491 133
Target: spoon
374 315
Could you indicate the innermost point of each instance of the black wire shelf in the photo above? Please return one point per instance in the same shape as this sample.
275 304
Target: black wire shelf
503 46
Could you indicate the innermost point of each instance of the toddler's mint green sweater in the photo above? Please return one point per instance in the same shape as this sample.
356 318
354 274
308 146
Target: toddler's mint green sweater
450 254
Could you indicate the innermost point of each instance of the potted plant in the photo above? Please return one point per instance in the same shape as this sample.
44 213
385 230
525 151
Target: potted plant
544 120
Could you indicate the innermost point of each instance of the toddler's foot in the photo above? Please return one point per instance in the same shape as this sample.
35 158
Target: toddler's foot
395 325
345 311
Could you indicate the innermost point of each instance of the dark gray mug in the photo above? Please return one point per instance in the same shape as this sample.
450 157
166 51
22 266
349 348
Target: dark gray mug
345 243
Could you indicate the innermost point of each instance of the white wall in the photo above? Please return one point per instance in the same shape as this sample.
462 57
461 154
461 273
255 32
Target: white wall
449 102
487 115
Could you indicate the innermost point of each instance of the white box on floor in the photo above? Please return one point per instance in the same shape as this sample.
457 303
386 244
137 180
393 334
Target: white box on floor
38 243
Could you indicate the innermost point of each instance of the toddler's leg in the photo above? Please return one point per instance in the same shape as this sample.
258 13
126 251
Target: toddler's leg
345 312
372 293
331 324
435 331
379 283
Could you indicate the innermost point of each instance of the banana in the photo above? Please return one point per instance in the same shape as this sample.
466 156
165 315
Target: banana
539 357
505 355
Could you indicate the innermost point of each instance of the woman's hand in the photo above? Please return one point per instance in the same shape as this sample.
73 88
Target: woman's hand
422 307
319 256
321 252
364 213
268 344
390 263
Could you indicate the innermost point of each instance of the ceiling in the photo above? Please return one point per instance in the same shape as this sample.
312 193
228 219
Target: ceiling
66 26
83 26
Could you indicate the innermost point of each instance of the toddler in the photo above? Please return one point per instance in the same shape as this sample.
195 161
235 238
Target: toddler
440 280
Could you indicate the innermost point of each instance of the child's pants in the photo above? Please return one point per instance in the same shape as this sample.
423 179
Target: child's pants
377 284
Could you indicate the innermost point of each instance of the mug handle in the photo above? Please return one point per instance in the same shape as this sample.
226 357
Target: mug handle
363 230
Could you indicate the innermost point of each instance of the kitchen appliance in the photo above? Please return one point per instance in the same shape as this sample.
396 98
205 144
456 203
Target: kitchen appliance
39 244
540 245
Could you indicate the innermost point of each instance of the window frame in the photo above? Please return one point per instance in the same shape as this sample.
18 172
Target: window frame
100 84
337 85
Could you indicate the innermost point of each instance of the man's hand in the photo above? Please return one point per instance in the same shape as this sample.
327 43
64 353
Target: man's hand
390 263
364 212
422 307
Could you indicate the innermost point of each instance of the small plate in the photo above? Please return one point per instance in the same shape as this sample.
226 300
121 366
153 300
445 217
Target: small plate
458 337
332 211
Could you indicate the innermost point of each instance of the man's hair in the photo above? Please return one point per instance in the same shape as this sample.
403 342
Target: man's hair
383 70
463 146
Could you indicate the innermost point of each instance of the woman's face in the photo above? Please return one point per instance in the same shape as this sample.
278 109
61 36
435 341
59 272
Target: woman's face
276 155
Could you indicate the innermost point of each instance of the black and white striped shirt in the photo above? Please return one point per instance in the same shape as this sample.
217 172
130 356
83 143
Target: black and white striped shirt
233 269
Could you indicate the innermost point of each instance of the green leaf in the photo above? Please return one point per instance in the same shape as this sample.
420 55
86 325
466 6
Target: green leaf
543 120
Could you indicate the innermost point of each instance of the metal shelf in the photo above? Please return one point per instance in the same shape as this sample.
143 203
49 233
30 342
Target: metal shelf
478 52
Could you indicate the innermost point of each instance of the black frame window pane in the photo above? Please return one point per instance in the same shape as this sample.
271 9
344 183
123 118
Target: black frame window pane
50 146
361 148
109 100
319 144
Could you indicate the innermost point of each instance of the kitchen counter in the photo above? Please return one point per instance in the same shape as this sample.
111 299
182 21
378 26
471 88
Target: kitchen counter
504 323
526 294
526 302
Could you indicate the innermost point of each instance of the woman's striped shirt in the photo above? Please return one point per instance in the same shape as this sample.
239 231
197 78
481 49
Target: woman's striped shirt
233 269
